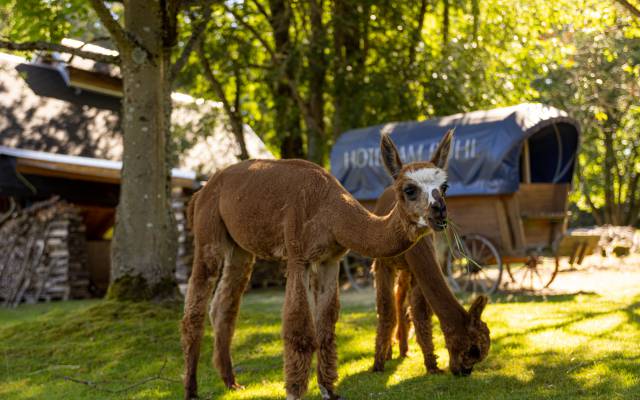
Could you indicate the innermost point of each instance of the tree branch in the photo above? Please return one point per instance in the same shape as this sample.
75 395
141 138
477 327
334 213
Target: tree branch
262 10
235 118
100 386
251 29
633 9
173 7
117 32
195 37
46 46
417 34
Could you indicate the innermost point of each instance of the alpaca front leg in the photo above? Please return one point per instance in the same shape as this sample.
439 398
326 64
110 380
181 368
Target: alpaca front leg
201 283
421 314
402 333
224 312
327 312
384 275
298 330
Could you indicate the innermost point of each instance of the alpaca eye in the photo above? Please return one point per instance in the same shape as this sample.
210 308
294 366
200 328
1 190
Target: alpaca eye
443 188
411 192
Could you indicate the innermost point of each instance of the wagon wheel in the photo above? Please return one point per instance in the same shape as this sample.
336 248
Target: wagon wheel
476 268
535 274
357 270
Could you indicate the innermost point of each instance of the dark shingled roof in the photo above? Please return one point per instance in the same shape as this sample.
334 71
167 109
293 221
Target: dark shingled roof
40 111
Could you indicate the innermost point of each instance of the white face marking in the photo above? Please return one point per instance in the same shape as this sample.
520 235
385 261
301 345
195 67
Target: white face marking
421 222
428 179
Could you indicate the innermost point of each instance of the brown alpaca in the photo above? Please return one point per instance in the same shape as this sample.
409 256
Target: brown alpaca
296 211
421 279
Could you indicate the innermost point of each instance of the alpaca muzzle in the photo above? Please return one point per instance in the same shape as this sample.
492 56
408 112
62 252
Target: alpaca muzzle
438 211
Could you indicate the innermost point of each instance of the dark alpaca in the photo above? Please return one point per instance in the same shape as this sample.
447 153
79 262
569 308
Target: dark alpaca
295 211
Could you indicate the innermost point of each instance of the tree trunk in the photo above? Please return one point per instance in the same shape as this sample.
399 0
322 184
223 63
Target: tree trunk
349 38
608 171
144 245
287 121
317 142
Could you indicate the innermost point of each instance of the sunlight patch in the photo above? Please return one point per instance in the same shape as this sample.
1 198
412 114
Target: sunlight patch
595 374
267 389
599 325
555 340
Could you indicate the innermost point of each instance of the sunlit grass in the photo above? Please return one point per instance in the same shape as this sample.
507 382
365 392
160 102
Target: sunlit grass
582 346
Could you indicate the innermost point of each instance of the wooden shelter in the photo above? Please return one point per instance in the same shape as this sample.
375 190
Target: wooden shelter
60 135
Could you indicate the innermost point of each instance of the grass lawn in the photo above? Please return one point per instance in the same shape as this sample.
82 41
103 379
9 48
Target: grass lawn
569 346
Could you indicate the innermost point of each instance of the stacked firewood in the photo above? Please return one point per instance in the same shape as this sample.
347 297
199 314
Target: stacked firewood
184 258
43 254
614 240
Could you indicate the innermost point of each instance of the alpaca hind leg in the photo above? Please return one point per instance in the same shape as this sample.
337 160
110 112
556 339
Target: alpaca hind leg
421 314
224 310
297 329
384 275
327 312
402 332
203 276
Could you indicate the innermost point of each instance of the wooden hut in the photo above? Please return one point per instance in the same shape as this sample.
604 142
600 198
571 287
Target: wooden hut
60 137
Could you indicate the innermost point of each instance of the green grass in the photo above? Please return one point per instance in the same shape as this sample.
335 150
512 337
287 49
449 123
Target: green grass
563 347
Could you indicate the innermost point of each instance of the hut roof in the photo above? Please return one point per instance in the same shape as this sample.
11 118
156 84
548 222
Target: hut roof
71 107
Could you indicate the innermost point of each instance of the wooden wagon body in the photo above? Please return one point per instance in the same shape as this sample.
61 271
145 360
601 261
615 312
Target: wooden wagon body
530 221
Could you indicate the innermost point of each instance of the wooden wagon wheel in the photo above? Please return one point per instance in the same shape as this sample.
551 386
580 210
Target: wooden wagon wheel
534 273
476 268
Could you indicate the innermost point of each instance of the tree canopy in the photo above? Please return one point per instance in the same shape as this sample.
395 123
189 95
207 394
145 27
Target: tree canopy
302 72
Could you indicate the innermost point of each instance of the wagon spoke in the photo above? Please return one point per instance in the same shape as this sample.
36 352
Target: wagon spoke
481 282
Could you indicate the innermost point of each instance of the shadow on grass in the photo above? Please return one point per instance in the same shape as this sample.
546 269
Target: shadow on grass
560 379
121 343
534 297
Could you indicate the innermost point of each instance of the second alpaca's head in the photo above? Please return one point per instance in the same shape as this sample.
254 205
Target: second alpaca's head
420 186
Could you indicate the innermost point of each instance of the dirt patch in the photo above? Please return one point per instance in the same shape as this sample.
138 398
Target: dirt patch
599 275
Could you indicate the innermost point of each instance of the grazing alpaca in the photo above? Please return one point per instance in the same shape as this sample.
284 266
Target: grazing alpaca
294 210
421 279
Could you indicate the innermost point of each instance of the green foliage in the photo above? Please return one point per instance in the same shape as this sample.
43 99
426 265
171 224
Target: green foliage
40 20
598 82
565 347
407 60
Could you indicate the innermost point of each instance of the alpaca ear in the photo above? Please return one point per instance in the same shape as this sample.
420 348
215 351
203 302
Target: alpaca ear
390 156
477 307
441 156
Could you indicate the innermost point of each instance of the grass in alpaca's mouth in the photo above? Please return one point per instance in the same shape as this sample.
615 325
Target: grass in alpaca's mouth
455 245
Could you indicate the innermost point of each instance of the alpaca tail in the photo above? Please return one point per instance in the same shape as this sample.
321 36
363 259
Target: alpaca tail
191 210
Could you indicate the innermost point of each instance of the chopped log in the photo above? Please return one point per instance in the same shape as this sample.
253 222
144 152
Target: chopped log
43 254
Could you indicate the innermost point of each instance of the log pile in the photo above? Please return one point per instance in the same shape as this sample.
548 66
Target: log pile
184 257
614 240
43 254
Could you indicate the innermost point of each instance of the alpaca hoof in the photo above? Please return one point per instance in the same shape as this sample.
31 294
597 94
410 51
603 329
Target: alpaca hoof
233 385
377 367
328 394
435 371
191 394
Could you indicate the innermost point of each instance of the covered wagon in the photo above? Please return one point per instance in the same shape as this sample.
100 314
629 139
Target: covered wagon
510 173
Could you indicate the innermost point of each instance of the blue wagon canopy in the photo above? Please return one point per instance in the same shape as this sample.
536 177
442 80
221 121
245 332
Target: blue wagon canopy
485 156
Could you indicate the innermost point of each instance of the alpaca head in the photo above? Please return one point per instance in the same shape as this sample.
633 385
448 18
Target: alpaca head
420 186
472 346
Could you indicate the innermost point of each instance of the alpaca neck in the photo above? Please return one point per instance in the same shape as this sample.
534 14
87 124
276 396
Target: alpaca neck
424 266
370 235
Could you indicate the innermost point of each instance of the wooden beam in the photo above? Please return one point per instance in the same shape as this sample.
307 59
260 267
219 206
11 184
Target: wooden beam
526 163
80 172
